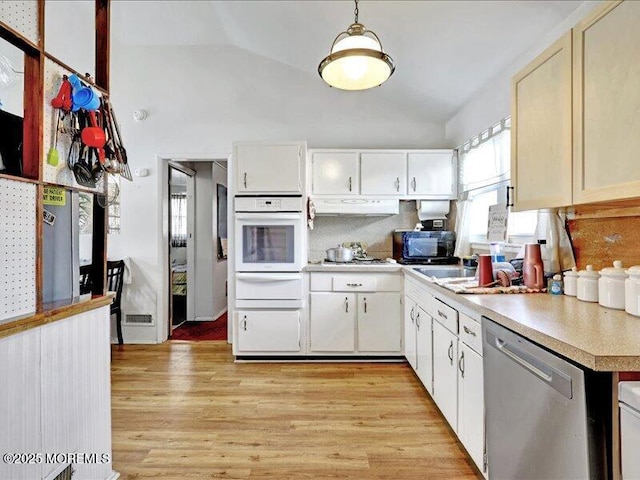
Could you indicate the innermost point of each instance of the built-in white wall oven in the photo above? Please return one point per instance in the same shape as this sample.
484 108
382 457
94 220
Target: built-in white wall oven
269 234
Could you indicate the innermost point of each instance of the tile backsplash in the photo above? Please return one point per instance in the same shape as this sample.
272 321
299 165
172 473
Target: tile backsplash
373 232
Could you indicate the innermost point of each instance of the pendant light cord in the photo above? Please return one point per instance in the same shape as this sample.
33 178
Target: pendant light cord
356 11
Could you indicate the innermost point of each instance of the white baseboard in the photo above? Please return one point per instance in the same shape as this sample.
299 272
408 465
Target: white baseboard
220 313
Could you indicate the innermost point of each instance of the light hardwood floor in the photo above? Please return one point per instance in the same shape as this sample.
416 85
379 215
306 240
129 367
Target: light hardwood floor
184 410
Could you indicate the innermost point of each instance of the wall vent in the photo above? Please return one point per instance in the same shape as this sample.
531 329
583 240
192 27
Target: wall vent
139 319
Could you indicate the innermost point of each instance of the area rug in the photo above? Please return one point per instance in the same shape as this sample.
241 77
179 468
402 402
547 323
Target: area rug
195 331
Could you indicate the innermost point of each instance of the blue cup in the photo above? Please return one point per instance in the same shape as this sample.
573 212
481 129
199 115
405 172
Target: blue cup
86 98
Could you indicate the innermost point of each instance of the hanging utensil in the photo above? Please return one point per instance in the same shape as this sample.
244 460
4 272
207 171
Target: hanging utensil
52 156
82 170
121 153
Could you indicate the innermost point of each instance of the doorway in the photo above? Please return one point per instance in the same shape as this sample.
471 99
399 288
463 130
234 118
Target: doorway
205 268
181 244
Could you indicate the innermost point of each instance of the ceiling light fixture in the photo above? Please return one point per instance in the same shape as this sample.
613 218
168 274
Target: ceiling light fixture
356 60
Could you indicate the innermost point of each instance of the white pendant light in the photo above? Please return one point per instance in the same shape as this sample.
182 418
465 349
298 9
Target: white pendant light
356 60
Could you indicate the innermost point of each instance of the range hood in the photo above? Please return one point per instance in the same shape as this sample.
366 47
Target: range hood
356 206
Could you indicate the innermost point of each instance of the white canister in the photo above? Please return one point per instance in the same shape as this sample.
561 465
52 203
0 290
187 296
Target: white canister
611 286
587 285
571 282
632 291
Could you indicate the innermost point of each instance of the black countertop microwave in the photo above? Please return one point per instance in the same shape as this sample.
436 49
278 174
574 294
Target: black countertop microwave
424 247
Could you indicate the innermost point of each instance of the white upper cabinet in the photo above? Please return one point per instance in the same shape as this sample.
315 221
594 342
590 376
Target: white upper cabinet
541 130
432 174
383 173
335 173
606 81
262 168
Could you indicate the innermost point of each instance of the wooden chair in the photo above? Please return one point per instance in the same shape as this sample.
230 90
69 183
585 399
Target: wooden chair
85 279
115 276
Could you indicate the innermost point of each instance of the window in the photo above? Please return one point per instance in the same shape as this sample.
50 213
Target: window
178 219
484 173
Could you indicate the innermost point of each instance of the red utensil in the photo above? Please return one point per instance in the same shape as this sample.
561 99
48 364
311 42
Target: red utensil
63 99
94 136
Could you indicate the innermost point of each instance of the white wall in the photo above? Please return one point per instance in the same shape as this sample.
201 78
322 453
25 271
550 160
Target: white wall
204 245
200 100
492 102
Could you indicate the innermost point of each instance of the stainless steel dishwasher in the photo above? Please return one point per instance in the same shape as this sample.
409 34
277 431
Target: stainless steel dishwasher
538 423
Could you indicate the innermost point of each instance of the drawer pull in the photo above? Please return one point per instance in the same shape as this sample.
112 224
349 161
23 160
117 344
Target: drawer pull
450 352
346 305
418 320
461 364
365 304
468 331
354 284
413 319
244 323
442 314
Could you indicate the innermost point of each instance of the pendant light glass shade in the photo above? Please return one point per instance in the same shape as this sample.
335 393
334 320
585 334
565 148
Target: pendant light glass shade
356 61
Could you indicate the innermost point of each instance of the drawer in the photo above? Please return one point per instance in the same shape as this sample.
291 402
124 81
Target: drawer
471 333
269 286
419 295
446 315
359 283
367 282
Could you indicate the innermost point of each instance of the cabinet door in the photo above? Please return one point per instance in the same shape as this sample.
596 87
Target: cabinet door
432 175
409 318
445 368
268 331
332 322
383 174
471 404
424 349
335 173
379 322
541 130
268 168
607 109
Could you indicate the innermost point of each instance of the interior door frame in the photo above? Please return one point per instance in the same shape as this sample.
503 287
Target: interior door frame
162 165
191 256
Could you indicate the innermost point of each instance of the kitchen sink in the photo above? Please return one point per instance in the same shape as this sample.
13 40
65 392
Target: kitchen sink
446 272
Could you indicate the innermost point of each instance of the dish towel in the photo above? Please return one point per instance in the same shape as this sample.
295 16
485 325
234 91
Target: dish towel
311 213
127 277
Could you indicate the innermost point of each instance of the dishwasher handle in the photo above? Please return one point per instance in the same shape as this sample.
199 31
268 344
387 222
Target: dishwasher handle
551 376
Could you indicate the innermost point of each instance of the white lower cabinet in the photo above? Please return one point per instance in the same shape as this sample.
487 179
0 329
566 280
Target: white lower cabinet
267 331
444 347
471 404
332 322
445 378
424 349
355 314
378 328
410 308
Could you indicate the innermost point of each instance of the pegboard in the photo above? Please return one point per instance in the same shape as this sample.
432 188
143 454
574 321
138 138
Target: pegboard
21 16
17 248
60 174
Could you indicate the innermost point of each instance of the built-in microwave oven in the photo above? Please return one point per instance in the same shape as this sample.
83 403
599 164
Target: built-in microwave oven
424 247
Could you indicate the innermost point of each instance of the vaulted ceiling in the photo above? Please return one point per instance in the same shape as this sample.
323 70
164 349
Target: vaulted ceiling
444 50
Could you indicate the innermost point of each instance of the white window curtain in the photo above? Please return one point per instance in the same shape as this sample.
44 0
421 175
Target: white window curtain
484 164
179 220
